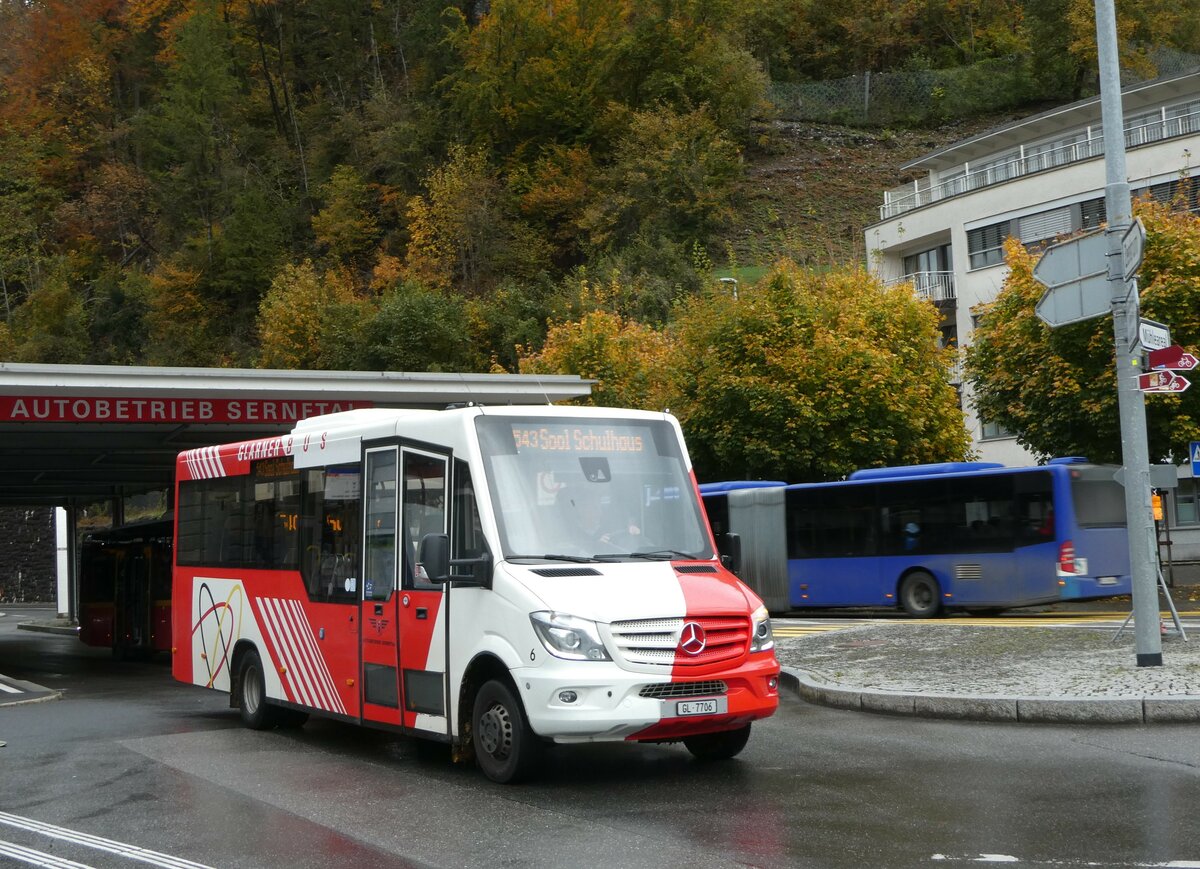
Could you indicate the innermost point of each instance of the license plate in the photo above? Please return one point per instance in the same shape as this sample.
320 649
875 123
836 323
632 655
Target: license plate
710 706
1108 580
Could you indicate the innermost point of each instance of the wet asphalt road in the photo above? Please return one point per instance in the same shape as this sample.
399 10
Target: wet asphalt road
130 756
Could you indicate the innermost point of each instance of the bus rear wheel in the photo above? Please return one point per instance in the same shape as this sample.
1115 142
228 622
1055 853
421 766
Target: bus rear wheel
920 595
506 748
256 712
718 746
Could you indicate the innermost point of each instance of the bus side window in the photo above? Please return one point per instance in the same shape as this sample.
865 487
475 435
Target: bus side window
424 485
1035 507
466 538
984 508
330 504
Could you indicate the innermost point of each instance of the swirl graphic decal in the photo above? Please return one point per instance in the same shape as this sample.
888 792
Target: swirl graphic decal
223 621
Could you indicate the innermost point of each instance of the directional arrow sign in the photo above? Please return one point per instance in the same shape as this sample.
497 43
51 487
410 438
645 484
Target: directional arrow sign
1162 381
1133 246
1153 336
1076 275
1173 357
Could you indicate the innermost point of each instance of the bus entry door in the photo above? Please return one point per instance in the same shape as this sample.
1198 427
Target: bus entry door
422 611
378 630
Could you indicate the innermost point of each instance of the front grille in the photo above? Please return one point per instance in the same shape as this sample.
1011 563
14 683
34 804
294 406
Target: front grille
672 690
695 568
656 641
566 571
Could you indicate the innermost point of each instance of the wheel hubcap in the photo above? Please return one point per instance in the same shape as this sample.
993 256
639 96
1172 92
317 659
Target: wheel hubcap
253 690
495 731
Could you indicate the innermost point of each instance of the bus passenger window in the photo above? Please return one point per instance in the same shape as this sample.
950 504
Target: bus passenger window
329 529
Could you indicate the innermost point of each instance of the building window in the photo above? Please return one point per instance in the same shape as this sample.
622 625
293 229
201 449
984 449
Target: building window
1046 224
1092 213
993 431
986 244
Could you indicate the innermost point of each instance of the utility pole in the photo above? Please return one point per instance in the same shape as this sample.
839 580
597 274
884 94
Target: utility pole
1135 450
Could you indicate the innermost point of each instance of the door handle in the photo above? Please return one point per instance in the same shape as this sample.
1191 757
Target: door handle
378 609
422 613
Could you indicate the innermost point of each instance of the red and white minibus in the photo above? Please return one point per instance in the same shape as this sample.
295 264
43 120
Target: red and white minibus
495 578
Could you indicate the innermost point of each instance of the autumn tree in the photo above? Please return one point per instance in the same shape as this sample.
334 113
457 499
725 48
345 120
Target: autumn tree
1056 388
296 314
672 176
627 359
50 326
346 225
808 376
458 227
408 328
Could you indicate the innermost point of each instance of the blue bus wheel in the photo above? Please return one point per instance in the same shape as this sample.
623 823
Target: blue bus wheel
920 595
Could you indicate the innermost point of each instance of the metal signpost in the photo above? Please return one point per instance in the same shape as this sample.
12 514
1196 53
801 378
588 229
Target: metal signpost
1089 276
1135 450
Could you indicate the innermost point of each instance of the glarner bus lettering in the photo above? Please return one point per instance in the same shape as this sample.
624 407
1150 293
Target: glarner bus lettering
494 578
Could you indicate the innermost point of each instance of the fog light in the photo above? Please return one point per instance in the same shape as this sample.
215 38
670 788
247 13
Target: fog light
567 696
773 682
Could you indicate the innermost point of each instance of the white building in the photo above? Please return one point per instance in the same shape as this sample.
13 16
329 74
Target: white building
1037 178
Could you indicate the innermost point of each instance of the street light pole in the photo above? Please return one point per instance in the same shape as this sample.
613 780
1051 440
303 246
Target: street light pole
1135 451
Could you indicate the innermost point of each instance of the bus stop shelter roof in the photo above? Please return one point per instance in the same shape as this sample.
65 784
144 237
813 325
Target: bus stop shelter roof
84 433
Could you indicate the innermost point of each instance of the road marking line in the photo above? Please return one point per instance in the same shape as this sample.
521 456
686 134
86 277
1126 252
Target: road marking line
1008 858
133 852
38 858
9 688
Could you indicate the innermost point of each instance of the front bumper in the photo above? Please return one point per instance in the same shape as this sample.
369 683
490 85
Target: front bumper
609 704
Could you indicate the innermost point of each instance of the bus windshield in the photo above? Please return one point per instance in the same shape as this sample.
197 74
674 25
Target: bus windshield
591 489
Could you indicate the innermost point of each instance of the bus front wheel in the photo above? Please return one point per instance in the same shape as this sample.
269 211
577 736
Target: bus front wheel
506 748
920 595
256 713
718 746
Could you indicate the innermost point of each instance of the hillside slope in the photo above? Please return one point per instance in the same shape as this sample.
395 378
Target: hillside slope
811 189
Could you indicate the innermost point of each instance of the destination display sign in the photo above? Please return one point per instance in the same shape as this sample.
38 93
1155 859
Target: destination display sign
577 439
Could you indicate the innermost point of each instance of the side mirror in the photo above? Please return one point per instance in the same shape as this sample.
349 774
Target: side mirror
731 552
433 553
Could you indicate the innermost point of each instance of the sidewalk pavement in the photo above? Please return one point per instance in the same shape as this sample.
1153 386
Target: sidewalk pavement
995 673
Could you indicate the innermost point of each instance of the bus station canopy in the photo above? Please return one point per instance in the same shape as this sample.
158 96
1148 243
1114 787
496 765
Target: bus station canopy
85 433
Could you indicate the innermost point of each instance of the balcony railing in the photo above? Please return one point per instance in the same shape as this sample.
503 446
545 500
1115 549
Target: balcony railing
935 286
921 192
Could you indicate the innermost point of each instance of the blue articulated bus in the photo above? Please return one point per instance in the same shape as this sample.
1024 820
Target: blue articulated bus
962 535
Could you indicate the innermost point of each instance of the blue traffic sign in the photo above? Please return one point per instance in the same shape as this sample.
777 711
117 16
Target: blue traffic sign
1194 450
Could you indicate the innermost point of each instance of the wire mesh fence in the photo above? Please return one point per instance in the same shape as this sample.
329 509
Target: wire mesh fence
913 97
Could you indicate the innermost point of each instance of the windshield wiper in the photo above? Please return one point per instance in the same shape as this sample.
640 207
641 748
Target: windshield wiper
660 555
550 556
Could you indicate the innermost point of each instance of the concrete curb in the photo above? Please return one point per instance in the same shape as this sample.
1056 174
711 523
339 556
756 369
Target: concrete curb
49 628
45 698
1041 710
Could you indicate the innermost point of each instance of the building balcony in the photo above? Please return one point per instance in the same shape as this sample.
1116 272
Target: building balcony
1029 161
934 286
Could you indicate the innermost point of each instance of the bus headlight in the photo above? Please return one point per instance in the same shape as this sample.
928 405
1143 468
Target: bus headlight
569 637
761 637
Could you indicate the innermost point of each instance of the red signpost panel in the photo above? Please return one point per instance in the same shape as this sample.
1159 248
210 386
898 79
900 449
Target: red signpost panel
1173 357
